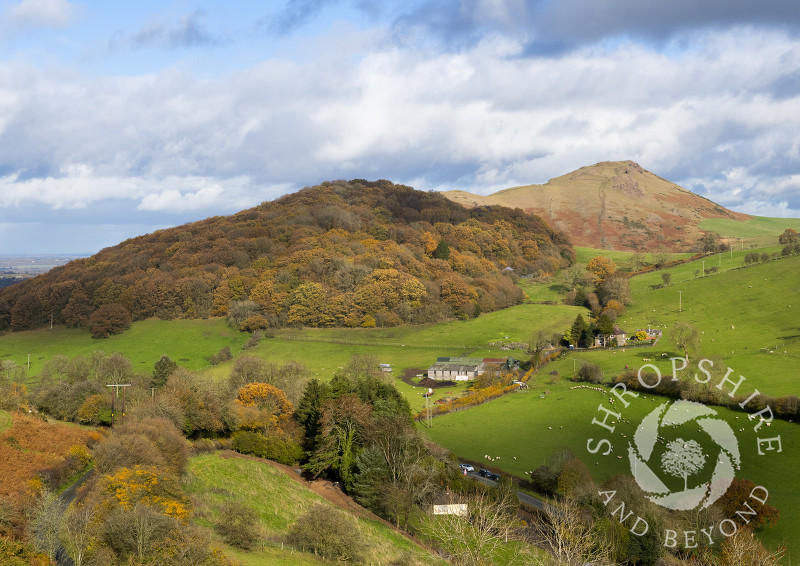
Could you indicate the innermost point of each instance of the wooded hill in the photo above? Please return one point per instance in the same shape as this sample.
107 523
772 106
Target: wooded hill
342 253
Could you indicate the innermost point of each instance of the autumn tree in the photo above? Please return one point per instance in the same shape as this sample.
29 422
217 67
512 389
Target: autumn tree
601 267
263 407
109 319
307 306
789 236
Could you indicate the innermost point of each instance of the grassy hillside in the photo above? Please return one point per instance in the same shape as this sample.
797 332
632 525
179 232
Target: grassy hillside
615 205
531 428
191 342
747 317
757 230
748 320
214 479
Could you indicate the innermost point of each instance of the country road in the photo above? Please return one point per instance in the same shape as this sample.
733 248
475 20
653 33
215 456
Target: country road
524 498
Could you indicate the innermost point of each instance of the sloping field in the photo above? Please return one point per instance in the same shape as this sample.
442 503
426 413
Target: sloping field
758 230
214 479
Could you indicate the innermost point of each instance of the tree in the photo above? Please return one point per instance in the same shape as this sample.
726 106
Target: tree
666 277
263 407
709 243
308 306
682 459
78 309
442 250
744 549
162 370
615 287
109 319
309 411
47 518
482 535
685 337
571 535
342 427
601 267
789 236
114 369
578 331
238 524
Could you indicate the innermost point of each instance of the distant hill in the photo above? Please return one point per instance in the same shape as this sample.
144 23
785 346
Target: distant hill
342 253
613 205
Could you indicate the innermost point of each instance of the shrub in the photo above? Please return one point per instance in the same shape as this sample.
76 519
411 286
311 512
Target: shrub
328 532
590 372
275 448
238 525
223 355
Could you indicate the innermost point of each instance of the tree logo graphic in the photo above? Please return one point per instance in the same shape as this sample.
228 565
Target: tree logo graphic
686 460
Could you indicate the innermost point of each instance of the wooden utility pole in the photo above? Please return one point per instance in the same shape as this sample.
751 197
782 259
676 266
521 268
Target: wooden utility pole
114 394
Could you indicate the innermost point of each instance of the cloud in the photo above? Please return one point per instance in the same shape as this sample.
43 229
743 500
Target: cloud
297 13
41 13
186 33
481 118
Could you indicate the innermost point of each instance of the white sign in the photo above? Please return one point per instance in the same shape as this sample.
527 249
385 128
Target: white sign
459 509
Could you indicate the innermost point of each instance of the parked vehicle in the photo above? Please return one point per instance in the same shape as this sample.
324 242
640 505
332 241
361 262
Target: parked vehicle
484 473
495 477
467 467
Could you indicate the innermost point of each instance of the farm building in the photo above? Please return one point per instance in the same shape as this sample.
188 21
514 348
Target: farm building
618 338
464 369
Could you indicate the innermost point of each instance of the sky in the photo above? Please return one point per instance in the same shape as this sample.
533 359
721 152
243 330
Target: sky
121 118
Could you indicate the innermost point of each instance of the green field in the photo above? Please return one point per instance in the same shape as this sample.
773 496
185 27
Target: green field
191 342
212 480
758 230
531 428
583 255
746 317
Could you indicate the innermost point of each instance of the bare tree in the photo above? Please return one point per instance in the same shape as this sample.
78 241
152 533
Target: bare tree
568 532
744 549
76 532
478 537
47 517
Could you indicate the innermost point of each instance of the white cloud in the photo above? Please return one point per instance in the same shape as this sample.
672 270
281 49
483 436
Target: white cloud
41 13
480 119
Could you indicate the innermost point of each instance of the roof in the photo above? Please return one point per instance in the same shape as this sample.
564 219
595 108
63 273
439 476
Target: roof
449 366
495 360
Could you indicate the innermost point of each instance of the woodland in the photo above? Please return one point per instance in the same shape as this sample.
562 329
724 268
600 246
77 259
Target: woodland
348 254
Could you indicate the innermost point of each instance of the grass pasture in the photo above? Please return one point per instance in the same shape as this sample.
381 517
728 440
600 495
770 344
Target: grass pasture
757 230
212 480
531 428
621 258
189 342
746 317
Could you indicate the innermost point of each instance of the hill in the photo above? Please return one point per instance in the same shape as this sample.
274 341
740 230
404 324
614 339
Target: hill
613 205
352 253
225 477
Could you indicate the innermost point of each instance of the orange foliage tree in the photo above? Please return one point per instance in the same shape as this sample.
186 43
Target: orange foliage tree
263 407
